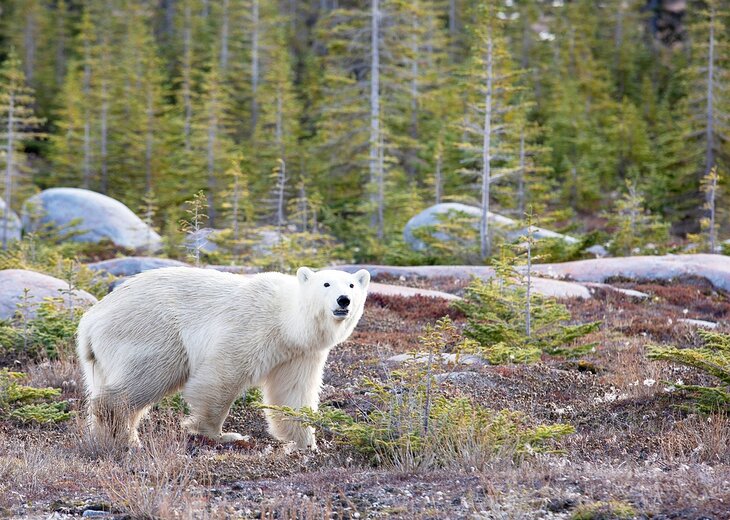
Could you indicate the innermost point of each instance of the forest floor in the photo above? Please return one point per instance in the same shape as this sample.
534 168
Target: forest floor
634 445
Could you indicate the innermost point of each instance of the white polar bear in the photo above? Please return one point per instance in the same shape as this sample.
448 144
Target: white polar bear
213 335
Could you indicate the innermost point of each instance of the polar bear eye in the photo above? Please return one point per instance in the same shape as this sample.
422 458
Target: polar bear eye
326 284
352 286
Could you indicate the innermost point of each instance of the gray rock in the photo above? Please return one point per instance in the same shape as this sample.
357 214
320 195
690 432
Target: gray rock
502 225
131 265
698 323
13 224
543 286
100 217
14 281
714 268
597 250
95 513
202 240
205 240
445 359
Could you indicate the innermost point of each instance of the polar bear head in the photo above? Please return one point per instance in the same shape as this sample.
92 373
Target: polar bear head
335 294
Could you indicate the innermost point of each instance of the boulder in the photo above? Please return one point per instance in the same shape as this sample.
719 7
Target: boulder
13 224
131 265
507 227
543 286
40 286
202 240
713 268
100 218
597 250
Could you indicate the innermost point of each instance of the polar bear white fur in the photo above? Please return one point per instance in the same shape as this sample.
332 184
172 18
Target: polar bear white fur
213 335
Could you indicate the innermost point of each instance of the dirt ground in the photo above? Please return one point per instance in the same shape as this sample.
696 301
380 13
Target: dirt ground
634 442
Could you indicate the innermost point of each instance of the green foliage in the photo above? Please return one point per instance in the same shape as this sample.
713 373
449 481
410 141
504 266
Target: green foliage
712 358
143 98
638 231
611 510
412 421
49 334
497 310
20 402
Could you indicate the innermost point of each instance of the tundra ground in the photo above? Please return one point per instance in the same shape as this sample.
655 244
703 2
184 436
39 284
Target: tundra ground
636 451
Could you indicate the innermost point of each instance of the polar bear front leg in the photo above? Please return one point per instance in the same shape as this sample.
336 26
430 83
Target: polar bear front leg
295 384
209 401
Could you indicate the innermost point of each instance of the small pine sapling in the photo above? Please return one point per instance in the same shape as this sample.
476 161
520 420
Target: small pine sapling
413 420
511 323
29 404
194 223
713 359
637 230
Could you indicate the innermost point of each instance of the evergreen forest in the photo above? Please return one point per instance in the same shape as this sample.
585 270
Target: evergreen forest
346 118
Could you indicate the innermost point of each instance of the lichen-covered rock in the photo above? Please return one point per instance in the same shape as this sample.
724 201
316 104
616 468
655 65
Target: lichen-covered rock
202 240
13 229
504 226
13 282
714 268
100 218
131 265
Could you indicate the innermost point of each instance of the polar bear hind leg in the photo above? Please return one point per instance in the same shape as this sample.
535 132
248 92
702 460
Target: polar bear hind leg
210 397
117 400
294 384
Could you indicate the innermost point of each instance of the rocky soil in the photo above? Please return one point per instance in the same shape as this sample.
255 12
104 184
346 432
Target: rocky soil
634 445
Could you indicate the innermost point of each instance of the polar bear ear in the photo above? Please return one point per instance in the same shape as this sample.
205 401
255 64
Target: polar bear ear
304 274
363 278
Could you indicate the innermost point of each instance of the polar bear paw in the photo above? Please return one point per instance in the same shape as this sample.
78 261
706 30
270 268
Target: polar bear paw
232 437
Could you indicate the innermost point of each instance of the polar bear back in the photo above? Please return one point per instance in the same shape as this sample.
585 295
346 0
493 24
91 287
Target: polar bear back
205 317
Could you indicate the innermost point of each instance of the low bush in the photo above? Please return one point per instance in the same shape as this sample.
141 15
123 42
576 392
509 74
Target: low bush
29 404
713 359
411 421
512 324
49 334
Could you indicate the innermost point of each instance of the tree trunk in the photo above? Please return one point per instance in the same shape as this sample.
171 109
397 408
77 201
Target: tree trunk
10 148
87 115
374 158
212 138
224 38
149 140
710 113
485 243
254 65
104 136
521 175
186 86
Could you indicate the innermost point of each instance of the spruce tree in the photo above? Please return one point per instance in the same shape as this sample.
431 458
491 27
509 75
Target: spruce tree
18 124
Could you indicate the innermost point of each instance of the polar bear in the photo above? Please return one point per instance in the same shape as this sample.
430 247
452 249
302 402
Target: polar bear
213 335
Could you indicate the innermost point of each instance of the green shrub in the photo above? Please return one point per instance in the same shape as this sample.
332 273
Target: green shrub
20 402
497 312
611 510
412 421
49 334
713 359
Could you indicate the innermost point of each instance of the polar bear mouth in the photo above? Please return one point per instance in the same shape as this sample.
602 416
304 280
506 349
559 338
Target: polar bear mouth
341 313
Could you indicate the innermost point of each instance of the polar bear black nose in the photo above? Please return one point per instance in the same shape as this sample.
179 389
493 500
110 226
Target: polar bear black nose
343 301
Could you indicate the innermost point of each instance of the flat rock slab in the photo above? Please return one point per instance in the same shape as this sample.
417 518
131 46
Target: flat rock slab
100 218
443 358
698 323
543 286
714 268
14 281
398 290
131 265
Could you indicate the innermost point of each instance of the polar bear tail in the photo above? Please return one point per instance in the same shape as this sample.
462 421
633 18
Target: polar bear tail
87 358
